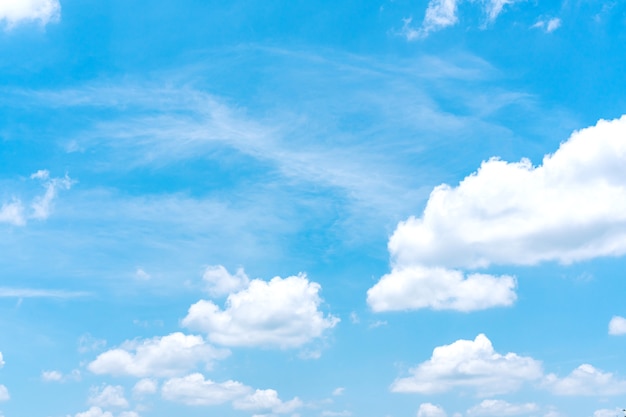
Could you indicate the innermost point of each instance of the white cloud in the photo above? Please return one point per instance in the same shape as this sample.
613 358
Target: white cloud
605 412
266 400
549 25
12 213
42 205
128 414
493 8
94 412
169 355
142 275
344 413
500 408
88 343
338 391
617 325
49 376
586 380
472 364
4 393
195 390
571 208
13 12
6 292
219 282
280 313
108 396
1 360
418 287
145 386
430 410
440 14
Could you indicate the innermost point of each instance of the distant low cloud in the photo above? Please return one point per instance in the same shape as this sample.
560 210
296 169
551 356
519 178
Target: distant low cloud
431 410
617 326
501 408
282 313
470 364
4 393
195 390
108 396
586 381
266 401
14 12
169 355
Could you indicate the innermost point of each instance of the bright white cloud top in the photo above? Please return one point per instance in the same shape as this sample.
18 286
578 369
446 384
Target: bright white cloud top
18 11
470 364
617 326
430 410
282 313
169 355
571 208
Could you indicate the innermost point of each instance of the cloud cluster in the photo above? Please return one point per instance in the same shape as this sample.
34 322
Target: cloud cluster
475 365
13 212
4 392
586 381
13 12
281 313
501 408
169 355
430 410
441 14
194 389
570 208
470 364
108 396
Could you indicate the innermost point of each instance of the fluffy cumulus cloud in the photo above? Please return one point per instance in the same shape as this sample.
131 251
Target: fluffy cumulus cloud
266 401
418 287
195 390
617 326
500 408
606 412
570 208
94 412
108 396
280 313
470 364
430 410
99 412
586 381
145 386
220 282
13 12
169 355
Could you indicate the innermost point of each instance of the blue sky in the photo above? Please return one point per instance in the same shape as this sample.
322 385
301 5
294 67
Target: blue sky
392 208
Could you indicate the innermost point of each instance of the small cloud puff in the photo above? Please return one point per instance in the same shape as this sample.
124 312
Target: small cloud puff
549 25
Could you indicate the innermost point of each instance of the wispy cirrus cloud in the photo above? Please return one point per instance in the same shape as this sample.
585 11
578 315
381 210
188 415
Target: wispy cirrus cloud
8 292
